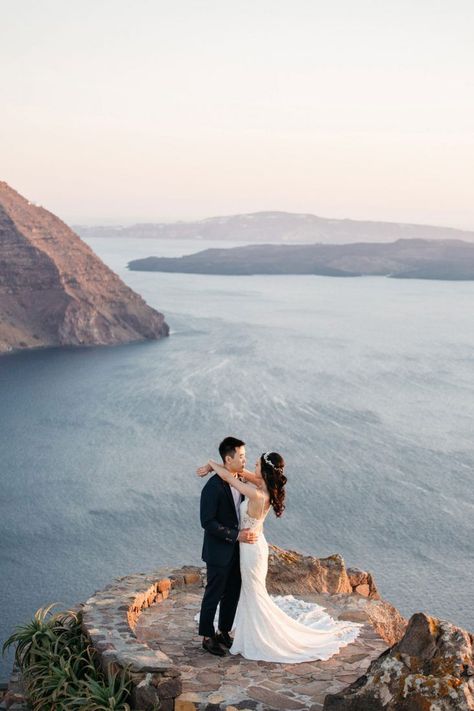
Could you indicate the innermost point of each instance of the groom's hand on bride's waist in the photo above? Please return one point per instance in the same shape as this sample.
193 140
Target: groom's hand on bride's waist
247 536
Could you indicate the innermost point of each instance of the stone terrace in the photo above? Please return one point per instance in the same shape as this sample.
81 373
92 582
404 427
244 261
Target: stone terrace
145 623
230 683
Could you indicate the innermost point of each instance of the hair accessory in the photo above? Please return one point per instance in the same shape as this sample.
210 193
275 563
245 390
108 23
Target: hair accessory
267 459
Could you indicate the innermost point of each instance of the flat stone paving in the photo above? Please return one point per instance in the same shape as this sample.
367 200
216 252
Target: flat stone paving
229 683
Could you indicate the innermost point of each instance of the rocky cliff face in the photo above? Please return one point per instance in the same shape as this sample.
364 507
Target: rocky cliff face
54 291
431 667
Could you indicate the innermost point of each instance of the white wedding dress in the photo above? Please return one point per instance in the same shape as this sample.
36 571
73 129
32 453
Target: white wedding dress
280 629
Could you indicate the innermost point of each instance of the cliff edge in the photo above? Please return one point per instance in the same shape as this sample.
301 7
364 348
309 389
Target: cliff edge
54 291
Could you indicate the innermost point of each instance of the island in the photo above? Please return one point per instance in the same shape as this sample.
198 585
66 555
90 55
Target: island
277 227
449 259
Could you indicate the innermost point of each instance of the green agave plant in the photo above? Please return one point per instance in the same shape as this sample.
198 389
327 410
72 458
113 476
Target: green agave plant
98 696
60 668
28 637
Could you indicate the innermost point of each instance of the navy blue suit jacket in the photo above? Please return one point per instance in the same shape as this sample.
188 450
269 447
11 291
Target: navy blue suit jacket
219 521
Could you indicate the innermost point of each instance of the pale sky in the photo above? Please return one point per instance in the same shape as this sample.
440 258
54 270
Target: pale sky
117 111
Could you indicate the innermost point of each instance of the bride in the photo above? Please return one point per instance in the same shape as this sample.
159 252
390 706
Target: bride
263 629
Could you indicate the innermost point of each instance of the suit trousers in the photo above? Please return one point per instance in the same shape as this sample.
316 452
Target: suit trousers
223 586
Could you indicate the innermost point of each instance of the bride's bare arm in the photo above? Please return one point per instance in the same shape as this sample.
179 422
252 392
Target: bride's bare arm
247 490
246 474
204 470
251 476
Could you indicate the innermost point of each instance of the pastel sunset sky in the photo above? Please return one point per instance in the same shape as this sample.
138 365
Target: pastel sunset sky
118 111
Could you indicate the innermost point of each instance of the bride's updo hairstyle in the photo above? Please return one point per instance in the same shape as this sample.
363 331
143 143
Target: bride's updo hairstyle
272 465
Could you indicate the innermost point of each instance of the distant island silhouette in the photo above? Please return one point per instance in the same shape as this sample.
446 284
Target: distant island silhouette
449 259
278 228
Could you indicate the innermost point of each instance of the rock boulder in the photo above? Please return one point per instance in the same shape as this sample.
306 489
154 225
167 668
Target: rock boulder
292 573
430 669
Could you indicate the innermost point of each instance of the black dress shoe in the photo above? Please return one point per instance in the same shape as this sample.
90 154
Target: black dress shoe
225 639
212 646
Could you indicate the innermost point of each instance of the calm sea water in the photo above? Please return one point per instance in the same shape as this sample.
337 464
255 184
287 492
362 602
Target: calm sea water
365 385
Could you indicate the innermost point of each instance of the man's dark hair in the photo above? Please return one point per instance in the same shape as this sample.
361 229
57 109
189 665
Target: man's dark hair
228 447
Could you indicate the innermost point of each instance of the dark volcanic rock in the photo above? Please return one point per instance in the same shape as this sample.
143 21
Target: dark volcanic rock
244 261
406 258
54 291
430 669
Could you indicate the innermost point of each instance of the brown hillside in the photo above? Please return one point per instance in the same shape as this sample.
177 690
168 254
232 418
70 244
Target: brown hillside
54 291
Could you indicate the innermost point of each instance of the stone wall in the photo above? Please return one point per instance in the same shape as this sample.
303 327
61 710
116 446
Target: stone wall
109 618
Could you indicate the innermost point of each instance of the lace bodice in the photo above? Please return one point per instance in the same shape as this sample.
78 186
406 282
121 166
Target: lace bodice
247 521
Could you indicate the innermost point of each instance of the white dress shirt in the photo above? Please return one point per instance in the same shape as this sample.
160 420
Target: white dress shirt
236 497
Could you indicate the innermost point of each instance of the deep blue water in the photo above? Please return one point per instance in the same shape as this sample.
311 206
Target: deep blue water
365 385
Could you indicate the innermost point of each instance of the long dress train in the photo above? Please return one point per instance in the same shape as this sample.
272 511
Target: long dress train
263 629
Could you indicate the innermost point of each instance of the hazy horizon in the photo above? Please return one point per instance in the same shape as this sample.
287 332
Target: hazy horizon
117 223
118 112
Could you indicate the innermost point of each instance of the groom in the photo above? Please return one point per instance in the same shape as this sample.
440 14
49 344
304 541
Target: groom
220 514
